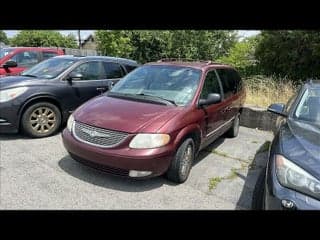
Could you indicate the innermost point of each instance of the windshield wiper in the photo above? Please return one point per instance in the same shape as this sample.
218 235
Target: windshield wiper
159 98
28 75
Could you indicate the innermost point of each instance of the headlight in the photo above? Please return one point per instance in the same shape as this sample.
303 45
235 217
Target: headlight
70 123
146 140
9 94
292 176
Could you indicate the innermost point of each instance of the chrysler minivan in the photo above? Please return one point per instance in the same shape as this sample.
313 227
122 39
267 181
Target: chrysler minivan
156 119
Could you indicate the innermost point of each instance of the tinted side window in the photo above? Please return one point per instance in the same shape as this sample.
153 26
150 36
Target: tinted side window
89 71
46 55
227 81
211 85
113 70
26 59
237 80
129 68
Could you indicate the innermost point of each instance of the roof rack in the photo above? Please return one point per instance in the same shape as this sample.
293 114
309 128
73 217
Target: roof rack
208 62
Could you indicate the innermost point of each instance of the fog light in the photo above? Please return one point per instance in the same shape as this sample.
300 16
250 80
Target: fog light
134 173
287 204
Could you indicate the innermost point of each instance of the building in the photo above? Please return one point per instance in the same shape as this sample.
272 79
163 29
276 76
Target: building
89 43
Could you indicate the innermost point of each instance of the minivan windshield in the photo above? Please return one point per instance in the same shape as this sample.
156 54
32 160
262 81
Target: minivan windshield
308 108
174 84
5 51
50 68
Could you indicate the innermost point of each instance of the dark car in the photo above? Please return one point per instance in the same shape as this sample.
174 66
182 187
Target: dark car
156 119
42 98
14 60
292 178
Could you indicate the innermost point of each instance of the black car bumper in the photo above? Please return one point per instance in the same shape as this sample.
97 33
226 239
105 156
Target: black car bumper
9 117
276 195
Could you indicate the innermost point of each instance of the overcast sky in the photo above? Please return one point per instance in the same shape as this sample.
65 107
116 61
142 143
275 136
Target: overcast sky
86 33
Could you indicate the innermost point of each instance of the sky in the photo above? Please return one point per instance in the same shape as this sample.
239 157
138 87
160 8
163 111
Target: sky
85 33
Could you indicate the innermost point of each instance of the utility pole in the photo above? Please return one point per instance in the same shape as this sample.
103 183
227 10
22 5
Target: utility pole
79 38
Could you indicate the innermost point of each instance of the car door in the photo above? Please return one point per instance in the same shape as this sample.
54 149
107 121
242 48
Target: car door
113 72
90 84
24 60
229 96
214 117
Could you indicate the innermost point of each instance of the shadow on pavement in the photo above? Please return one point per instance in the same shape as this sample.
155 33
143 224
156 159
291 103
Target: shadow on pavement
102 179
105 180
254 170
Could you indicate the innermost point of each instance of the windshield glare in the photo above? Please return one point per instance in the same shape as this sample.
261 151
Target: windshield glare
177 84
4 52
308 108
49 68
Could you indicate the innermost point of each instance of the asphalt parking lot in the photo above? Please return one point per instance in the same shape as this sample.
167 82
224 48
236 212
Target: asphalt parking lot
39 174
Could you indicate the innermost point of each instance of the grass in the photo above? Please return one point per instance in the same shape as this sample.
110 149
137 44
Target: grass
263 91
213 182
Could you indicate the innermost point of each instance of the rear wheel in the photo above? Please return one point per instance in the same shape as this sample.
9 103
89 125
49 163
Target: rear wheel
41 119
181 164
234 129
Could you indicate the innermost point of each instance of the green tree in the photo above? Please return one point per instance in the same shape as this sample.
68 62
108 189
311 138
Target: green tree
242 57
145 46
43 39
3 37
295 54
113 43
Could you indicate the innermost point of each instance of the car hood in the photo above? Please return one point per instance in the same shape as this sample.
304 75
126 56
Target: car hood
15 81
125 115
300 142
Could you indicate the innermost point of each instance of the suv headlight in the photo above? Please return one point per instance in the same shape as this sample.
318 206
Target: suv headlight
146 140
294 177
70 123
9 94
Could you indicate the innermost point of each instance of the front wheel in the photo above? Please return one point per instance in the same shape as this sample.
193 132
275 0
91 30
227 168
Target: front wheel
41 119
181 164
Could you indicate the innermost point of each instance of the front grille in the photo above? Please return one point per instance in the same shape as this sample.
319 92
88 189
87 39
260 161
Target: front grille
107 169
98 136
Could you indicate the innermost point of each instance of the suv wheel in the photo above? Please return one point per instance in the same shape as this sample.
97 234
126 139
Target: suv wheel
41 119
181 164
234 129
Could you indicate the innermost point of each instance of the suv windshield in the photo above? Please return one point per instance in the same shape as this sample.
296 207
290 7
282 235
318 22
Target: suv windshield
49 68
172 83
308 108
5 51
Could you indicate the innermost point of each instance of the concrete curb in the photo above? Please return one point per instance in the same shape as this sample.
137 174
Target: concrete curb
255 117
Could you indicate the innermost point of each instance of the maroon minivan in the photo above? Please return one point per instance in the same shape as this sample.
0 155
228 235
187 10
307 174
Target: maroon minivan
156 119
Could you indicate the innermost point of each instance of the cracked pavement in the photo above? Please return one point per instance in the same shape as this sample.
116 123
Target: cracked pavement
39 174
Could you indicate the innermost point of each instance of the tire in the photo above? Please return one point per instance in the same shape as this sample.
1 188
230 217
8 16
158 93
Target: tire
41 120
259 192
181 165
234 129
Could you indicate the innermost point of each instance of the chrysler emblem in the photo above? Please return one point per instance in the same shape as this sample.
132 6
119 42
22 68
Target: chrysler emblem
93 133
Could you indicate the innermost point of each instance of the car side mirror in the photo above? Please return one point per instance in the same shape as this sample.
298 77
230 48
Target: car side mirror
74 76
277 108
9 64
211 99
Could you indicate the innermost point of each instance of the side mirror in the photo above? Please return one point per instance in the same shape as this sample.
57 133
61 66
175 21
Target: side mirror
211 99
74 76
9 64
277 108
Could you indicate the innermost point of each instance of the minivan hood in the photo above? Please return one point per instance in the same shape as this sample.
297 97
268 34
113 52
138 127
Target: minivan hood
125 115
300 143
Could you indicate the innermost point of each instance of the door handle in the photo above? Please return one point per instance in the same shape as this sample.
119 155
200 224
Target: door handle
101 88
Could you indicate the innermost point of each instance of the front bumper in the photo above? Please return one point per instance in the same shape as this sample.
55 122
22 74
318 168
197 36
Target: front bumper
275 193
119 160
9 117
